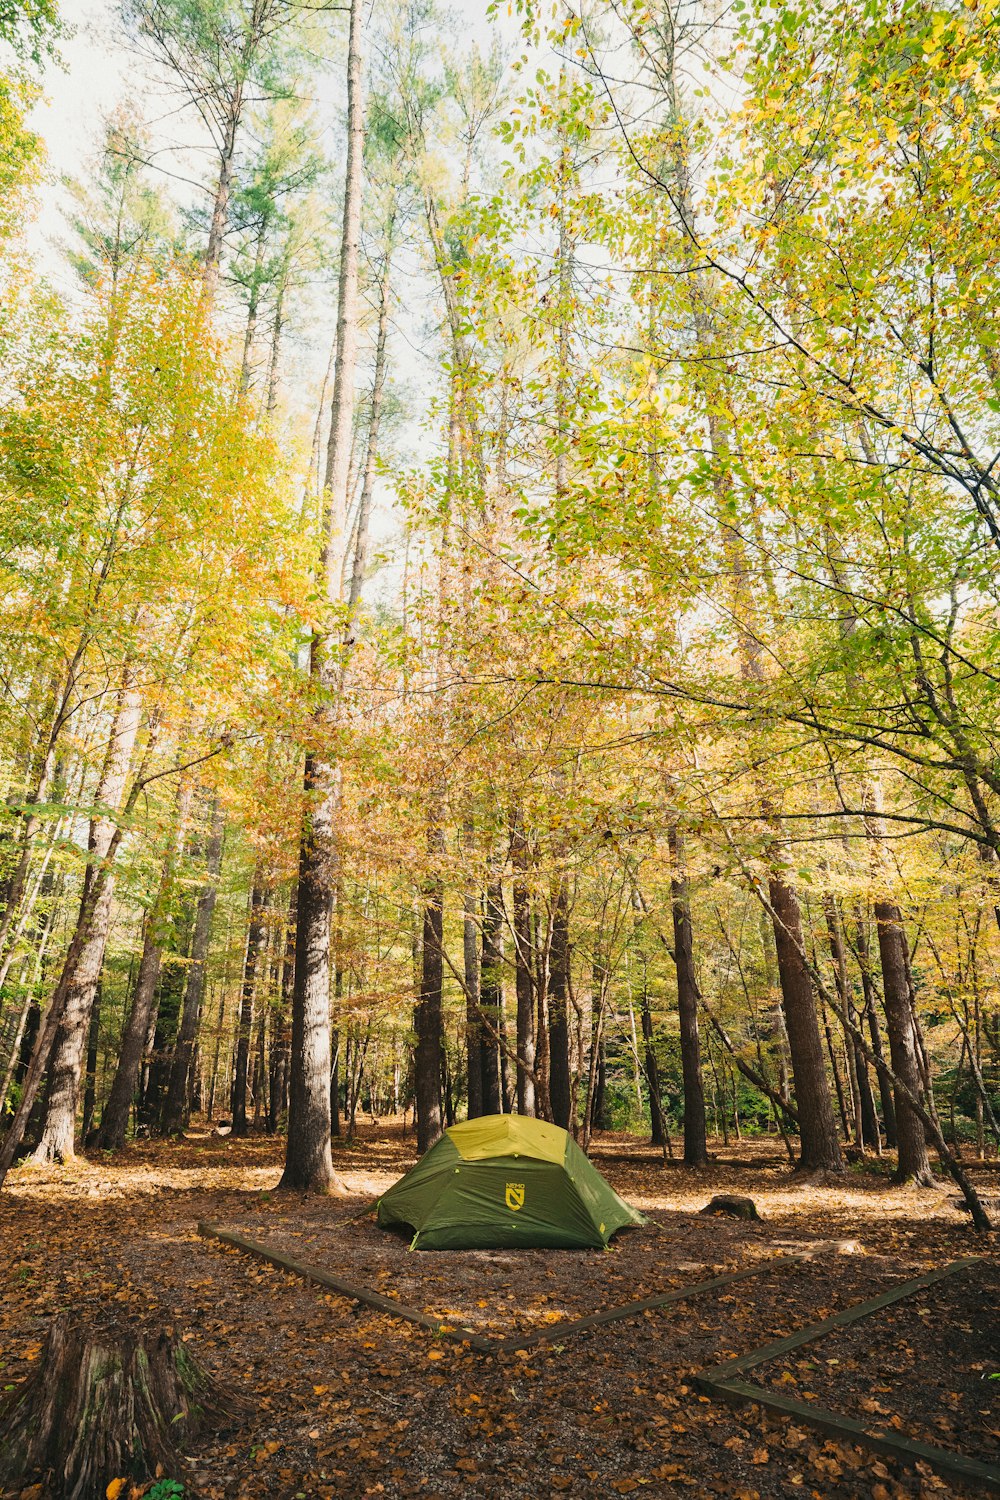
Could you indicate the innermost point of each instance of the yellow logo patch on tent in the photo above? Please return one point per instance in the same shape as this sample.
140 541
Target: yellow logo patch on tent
515 1195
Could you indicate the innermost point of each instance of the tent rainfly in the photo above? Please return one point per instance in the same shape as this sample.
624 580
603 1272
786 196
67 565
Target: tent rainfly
504 1181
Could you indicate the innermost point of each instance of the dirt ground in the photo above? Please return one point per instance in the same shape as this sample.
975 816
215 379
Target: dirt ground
348 1401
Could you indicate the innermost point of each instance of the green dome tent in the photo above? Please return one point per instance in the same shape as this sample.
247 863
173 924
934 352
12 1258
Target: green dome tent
503 1181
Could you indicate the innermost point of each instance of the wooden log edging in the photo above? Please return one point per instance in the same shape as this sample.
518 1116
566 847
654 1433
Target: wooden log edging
725 1383
347 1289
556 1332
559 1331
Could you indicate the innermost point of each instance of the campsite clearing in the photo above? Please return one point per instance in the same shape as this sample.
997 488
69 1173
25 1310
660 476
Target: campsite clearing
348 1401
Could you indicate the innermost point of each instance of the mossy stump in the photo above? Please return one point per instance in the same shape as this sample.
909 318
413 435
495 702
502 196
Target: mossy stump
104 1403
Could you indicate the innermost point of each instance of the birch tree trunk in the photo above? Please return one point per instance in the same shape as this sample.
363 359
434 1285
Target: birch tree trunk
308 1160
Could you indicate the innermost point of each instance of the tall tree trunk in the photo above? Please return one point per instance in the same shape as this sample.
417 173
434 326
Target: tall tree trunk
45 770
260 1065
819 1145
252 306
79 983
49 1027
559 959
114 1119
542 951
597 1081
338 1014
838 1085
599 1009
164 1021
871 1017
90 1077
256 943
17 938
866 1122
506 1093
599 1116
21 1061
523 967
428 1019
659 1135
223 192
277 329
26 1028
818 1141
374 424
308 1160
560 1083
688 997
277 1095
819 1149
176 1107
473 1020
491 997
914 1161
336 1129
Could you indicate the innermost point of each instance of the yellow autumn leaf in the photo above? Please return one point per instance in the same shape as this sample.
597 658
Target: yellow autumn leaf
115 1488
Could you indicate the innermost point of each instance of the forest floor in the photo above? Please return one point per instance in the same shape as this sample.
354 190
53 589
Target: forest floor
348 1401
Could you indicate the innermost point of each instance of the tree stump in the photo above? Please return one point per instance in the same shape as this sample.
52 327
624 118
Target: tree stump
105 1403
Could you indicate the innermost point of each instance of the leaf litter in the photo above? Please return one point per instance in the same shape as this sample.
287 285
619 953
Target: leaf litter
348 1401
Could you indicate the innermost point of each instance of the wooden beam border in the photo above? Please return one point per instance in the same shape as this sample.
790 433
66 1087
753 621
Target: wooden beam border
723 1381
558 1331
555 1333
322 1277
